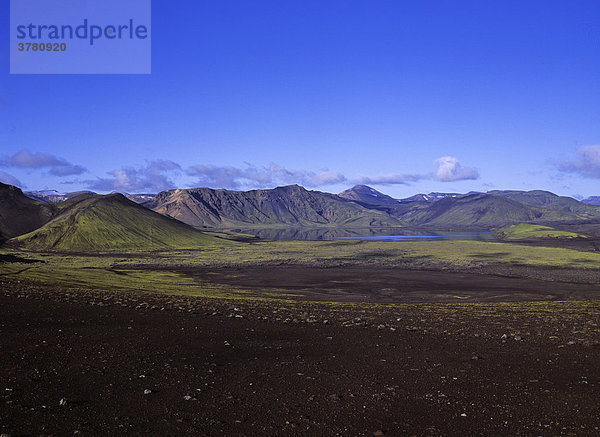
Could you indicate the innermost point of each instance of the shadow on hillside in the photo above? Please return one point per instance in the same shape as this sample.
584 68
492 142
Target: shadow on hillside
7 258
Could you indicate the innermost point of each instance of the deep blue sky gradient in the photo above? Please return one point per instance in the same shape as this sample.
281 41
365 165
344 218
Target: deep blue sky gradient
361 88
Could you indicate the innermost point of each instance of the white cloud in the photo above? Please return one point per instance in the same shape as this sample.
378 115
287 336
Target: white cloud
391 179
56 166
587 164
154 177
258 177
450 170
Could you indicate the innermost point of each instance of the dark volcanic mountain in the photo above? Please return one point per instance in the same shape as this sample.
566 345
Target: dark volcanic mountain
365 195
91 222
291 205
19 214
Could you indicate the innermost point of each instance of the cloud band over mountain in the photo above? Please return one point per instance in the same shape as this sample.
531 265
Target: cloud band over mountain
235 178
159 175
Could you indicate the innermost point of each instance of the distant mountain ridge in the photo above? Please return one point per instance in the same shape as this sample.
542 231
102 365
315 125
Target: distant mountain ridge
293 206
432 197
548 200
290 205
363 206
593 200
53 196
481 211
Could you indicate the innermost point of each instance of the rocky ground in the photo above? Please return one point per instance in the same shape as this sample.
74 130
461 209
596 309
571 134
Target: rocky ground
89 363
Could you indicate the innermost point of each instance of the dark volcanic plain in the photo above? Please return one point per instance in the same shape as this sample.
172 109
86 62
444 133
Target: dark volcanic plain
80 363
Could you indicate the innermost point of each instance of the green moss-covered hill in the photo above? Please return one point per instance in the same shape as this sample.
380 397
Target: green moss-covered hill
93 222
525 231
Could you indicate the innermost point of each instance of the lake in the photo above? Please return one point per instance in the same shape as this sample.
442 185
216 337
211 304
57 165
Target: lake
475 236
383 234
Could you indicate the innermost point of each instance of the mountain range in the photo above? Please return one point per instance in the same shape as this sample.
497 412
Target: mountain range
363 206
86 221
291 205
482 210
53 196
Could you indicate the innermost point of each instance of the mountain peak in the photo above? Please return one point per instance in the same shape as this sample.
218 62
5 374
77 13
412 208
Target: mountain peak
366 195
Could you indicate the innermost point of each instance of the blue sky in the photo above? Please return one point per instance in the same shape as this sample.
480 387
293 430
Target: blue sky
405 96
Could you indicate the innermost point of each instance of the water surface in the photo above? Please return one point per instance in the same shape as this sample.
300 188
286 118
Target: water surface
474 236
389 234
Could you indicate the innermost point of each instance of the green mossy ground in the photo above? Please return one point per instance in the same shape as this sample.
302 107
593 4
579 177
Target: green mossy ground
526 231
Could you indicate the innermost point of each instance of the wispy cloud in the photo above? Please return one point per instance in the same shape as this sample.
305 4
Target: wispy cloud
153 177
56 166
5 178
587 163
391 179
255 177
451 170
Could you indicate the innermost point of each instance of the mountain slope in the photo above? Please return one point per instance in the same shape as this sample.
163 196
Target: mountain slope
290 205
479 210
365 195
19 214
92 222
551 201
593 200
